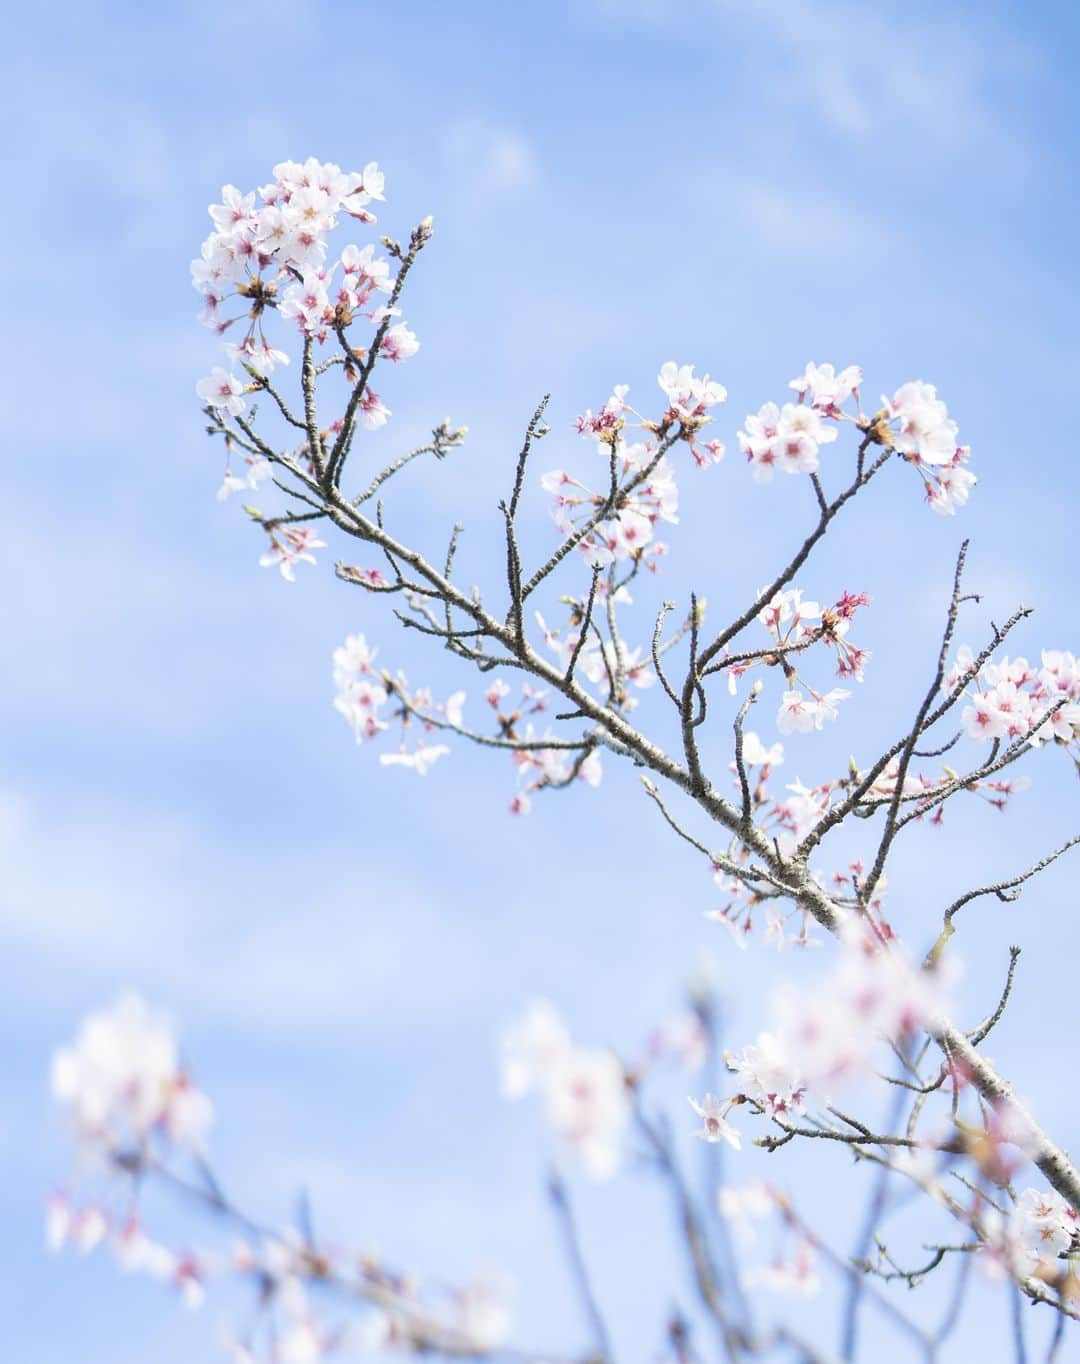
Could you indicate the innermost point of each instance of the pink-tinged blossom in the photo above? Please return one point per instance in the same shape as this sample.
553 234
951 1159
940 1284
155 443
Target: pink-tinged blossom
826 390
588 1108
1010 699
373 411
290 546
755 754
802 714
950 485
609 416
360 701
801 811
746 1205
584 1091
235 211
689 398
308 302
1044 1224
533 1049
256 352
787 608
776 929
222 391
257 468
739 925
757 439
122 1081
714 1124
354 658
826 1033
89 1228
399 343
926 436
483 1313
364 272
495 693
787 438
798 714
630 532
767 1077
925 427
421 759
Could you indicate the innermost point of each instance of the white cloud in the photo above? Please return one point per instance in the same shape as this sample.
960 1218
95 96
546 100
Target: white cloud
796 221
865 73
276 940
932 81
488 154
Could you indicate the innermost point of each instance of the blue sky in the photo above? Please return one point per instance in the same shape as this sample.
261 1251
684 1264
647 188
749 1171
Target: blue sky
615 183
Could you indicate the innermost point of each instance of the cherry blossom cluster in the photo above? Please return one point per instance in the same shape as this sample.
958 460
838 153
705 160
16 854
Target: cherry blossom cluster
362 696
1011 699
790 438
543 768
268 253
91 1223
124 1087
1040 1227
629 533
598 660
917 424
278 236
536 767
371 701
129 1100
585 1093
828 1032
289 546
756 1208
134 1111
914 422
645 479
795 625
790 816
689 400
588 1092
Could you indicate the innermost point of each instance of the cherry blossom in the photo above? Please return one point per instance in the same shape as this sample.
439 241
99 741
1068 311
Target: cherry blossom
827 390
290 546
421 759
714 1123
766 1077
746 1205
483 1314
689 398
258 470
802 714
122 1081
926 436
787 438
1012 700
584 1091
925 427
222 390
1044 1224
399 343
755 754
